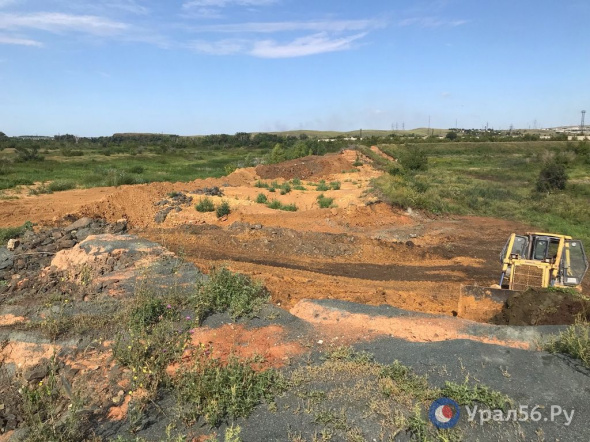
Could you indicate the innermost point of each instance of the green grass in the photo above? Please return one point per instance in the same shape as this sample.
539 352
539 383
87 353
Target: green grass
322 186
7 233
95 169
491 179
61 185
575 342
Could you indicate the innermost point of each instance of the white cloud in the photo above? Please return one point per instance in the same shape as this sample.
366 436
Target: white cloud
431 22
221 47
131 6
310 45
225 3
8 40
59 22
270 27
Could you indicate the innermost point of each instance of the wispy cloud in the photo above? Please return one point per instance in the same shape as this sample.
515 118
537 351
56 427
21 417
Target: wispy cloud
8 40
225 3
214 8
58 22
284 26
300 47
431 22
310 45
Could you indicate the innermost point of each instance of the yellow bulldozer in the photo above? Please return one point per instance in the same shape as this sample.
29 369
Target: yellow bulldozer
539 260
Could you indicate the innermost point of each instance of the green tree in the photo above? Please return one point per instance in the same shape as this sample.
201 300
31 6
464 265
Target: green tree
278 154
451 136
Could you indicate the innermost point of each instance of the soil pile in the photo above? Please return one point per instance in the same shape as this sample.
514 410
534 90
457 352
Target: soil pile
544 307
304 168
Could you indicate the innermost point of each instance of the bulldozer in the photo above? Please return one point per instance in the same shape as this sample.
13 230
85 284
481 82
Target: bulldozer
538 260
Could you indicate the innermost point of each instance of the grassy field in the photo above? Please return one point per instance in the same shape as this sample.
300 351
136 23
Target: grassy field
494 179
95 169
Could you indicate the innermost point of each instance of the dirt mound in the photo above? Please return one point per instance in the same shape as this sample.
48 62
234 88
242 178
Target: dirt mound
304 168
543 307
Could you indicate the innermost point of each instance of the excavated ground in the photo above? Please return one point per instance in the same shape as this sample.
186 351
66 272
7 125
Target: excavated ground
361 250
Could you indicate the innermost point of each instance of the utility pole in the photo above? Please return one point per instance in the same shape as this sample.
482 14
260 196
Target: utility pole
361 134
582 123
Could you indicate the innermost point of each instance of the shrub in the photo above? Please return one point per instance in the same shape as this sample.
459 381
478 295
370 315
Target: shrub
205 205
296 181
261 198
324 202
322 186
59 186
415 159
274 204
231 292
552 177
335 185
289 208
261 184
285 188
223 209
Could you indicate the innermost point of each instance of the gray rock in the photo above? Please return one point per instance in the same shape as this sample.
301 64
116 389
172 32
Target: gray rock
82 234
38 372
6 258
82 223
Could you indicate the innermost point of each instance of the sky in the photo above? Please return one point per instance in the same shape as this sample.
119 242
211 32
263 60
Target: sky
188 67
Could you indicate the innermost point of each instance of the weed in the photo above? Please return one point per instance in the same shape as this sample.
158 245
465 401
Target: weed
574 341
42 406
136 169
296 181
232 292
173 194
418 427
261 198
217 391
464 394
285 188
405 382
261 184
289 207
61 185
205 205
274 204
335 185
322 186
299 187
223 209
325 202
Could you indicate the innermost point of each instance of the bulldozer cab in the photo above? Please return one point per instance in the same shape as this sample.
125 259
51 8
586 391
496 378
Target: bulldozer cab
542 260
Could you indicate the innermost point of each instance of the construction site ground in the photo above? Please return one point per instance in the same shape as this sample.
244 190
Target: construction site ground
359 273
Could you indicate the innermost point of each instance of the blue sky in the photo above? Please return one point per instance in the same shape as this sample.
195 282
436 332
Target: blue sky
95 67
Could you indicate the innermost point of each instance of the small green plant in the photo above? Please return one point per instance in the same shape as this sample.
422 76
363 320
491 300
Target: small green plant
322 186
285 188
205 205
261 198
325 202
335 185
136 169
261 184
274 204
289 207
223 209
466 394
414 159
272 189
418 427
574 341
299 187
296 181
232 292
357 161
173 194
218 391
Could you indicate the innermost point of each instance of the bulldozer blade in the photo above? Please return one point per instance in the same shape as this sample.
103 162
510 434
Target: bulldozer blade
481 303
